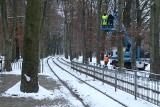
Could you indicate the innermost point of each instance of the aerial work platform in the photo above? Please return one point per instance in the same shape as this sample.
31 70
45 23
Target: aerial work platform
108 28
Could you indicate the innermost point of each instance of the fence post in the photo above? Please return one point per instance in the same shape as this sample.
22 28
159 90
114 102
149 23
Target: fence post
103 73
158 101
1 65
72 65
116 71
87 69
76 66
21 65
135 82
94 71
42 66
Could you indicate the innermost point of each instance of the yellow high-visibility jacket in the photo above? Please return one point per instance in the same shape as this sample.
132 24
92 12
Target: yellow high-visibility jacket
104 19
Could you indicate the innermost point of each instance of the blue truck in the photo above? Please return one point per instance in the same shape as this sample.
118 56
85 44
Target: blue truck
127 56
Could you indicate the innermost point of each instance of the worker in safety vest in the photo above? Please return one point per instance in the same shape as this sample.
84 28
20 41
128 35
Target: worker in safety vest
104 20
106 60
110 20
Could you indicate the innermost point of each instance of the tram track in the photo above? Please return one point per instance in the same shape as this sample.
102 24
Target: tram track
65 84
66 63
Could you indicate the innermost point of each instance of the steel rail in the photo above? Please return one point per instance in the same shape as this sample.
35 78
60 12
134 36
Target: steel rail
90 85
65 84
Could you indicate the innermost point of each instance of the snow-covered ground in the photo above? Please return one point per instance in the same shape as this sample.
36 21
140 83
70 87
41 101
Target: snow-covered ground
89 95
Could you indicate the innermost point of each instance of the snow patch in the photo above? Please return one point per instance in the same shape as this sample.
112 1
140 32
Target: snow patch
27 78
15 92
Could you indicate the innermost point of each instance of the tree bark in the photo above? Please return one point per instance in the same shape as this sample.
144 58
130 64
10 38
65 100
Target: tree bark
99 3
15 47
65 30
133 25
126 14
154 38
120 45
30 65
71 32
7 38
85 59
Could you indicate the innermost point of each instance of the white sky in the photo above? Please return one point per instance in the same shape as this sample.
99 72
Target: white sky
89 95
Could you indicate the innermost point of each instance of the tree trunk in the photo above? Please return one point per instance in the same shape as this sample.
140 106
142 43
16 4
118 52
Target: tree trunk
98 24
104 34
90 31
133 25
30 66
120 45
126 14
154 37
65 38
15 46
7 38
71 32
85 59
65 31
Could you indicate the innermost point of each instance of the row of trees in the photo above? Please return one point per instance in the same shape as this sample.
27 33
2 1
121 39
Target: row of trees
83 17
38 28
12 21
82 20
27 29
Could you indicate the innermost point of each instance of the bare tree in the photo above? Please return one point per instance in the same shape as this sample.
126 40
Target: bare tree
30 66
15 49
133 26
120 45
83 14
126 13
7 38
143 11
99 3
154 37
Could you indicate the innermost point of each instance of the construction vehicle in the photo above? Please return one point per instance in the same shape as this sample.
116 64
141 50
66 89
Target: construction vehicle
127 56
